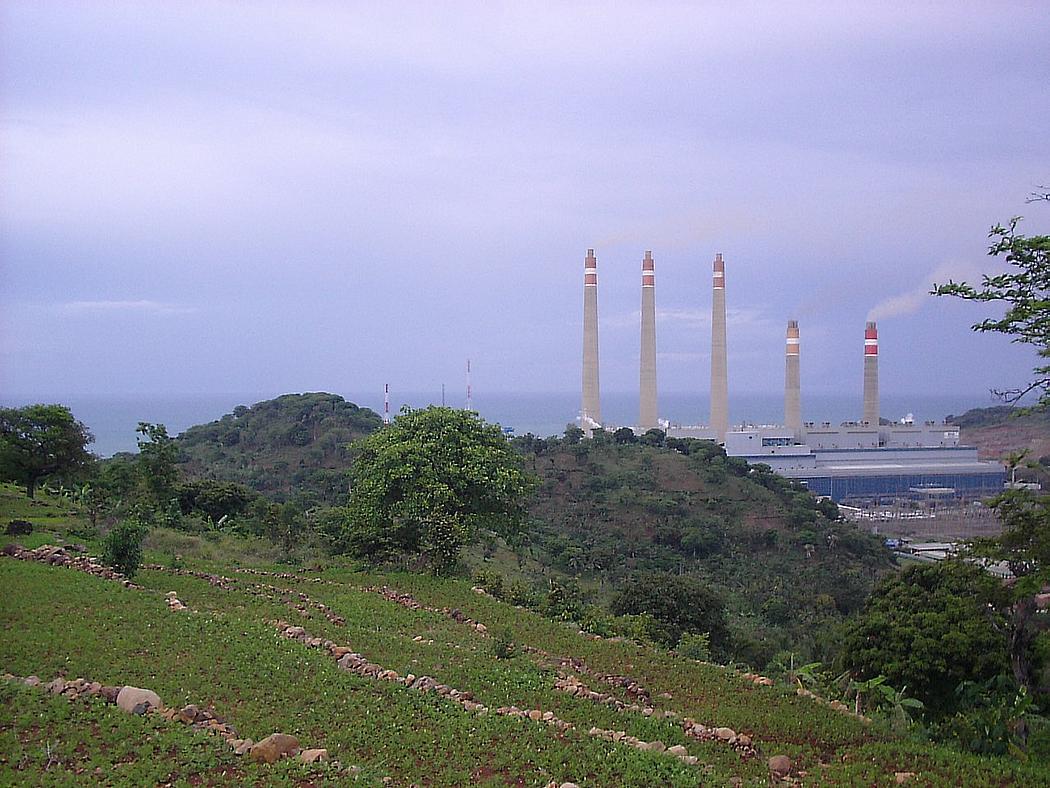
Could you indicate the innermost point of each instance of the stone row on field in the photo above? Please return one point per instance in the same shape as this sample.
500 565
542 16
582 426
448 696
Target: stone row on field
136 700
740 742
356 663
261 589
58 556
407 600
836 705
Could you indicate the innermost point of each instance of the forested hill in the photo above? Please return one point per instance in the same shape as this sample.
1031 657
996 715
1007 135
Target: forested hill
296 442
785 567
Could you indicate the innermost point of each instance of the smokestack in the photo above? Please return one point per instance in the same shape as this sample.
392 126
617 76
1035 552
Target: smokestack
792 381
719 372
592 411
647 395
871 374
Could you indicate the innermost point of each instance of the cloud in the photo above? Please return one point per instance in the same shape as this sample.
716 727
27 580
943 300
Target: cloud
911 301
144 306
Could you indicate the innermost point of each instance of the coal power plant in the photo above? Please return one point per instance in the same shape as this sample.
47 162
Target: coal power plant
865 460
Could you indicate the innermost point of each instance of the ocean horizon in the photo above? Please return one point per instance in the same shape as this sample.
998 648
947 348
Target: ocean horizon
112 420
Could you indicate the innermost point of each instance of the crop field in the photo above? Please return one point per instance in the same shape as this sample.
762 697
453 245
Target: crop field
226 653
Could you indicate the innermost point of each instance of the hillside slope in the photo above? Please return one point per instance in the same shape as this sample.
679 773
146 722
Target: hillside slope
398 678
1001 431
294 443
785 569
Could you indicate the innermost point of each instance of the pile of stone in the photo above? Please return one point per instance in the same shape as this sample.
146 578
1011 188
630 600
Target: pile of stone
740 742
173 601
571 685
225 583
58 556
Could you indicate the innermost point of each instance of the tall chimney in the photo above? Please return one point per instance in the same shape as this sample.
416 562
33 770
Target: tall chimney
647 394
719 372
792 381
592 411
871 374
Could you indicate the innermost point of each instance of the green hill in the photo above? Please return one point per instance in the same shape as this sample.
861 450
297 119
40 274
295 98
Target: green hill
294 443
427 693
786 571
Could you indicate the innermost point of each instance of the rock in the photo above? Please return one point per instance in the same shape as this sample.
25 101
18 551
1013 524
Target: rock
313 756
109 694
677 750
569 785
243 747
903 777
689 760
780 765
657 746
55 687
274 747
32 681
536 715
725 734
189 713
136 700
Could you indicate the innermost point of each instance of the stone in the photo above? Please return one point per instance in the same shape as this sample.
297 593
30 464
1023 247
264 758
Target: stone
136 700
689 760
243 747
725 734
274 747
902 777
55 687
109 694
743 740
569 785
780 765
677 750
535 715
313 756
657 746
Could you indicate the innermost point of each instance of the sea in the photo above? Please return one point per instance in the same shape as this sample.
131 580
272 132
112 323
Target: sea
112 420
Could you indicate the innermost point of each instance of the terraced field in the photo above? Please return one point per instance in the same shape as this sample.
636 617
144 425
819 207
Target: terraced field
338 659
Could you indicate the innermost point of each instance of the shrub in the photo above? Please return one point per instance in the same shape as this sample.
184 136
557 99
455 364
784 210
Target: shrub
503 646
490 580
122 547
19 528
519 593
596 621
695 645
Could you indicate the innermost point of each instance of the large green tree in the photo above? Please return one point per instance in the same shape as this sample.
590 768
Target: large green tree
429 483
38 441
930 628
1026 292
681 603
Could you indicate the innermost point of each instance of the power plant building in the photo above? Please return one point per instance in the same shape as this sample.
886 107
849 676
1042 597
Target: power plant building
863 459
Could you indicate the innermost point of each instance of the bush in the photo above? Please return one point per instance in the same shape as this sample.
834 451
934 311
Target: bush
490 580
19 528
519 593
596 621
503 646
694 645
122 547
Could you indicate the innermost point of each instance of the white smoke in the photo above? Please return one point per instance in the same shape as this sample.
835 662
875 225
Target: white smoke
911 301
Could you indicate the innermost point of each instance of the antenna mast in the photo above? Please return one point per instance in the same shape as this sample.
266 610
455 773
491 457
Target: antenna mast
470 397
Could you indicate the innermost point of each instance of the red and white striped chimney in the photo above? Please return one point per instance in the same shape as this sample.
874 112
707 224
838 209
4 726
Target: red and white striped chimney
871 374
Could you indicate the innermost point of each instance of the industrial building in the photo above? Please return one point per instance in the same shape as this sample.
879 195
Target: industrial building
865 460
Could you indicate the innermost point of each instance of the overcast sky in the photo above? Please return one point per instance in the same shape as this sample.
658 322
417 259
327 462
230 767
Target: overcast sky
213 197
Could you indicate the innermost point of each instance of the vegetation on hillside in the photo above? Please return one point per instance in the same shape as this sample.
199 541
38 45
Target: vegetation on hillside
294 446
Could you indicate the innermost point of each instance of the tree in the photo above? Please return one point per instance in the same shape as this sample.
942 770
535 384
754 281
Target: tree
158 455
429 483
930 628
1026 291
681 603
38 441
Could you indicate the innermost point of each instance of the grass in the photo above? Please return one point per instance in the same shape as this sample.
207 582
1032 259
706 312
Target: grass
226 655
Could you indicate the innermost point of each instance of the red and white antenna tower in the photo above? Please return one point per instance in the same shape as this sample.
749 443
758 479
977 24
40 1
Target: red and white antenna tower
470 395
386 403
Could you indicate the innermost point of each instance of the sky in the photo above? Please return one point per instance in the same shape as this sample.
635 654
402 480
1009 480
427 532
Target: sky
211 197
